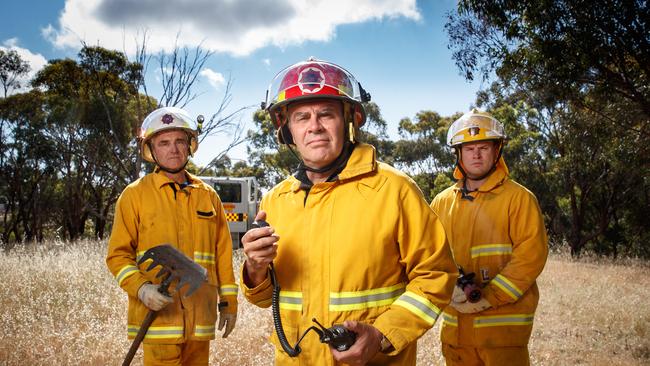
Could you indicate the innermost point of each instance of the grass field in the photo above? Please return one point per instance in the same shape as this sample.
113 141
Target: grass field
59 305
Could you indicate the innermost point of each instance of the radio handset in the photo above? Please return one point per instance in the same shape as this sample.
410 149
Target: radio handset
337 336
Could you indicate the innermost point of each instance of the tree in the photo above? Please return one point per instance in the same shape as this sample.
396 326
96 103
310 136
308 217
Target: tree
423 153
567 49
12 68
582 69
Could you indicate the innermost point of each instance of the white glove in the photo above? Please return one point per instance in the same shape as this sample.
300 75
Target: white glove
152 299
458 295
467 307
229 321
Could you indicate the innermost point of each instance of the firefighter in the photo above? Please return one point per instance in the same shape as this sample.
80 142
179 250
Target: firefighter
496 231
172 206
352 239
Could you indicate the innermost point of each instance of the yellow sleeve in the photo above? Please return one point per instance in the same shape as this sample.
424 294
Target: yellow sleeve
122 245
529 252
225 277
431 272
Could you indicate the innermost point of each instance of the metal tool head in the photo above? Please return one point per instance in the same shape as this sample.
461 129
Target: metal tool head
177 266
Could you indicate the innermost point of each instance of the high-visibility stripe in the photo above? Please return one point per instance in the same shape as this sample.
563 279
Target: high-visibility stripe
291 300
157 332
125 272
419 306
448 319
204 257
204 331
226 290
501 320
281 96
357 300
139 255
508 287
491 249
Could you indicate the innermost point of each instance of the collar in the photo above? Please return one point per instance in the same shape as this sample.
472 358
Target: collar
161 179
362 160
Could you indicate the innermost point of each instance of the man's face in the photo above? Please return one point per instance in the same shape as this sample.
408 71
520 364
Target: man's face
317 130
477 157
171 148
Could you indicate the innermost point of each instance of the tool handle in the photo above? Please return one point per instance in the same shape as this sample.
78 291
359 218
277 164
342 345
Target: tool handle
151 315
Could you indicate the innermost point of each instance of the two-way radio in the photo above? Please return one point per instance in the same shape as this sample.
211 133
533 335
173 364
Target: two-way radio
337 336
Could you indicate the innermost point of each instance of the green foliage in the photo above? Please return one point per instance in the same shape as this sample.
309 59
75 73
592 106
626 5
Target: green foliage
577 75
12 68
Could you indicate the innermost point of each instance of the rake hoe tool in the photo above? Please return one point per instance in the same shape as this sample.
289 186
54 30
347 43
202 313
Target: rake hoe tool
175 266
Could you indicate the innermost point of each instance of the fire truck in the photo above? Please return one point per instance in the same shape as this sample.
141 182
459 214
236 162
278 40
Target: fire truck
240 197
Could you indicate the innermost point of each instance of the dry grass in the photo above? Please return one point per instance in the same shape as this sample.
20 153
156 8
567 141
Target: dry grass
60 306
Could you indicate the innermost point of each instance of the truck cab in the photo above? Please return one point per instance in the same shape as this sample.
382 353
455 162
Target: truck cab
240 197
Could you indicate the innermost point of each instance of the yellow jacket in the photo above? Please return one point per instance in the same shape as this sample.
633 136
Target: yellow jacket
500 236
154 210
364 247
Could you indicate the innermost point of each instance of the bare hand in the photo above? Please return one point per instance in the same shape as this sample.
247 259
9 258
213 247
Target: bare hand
366 346
260 248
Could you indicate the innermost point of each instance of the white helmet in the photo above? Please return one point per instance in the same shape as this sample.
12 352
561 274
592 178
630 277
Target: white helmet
167 118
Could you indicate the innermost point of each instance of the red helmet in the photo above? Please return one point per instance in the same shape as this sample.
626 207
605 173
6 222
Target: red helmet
314 79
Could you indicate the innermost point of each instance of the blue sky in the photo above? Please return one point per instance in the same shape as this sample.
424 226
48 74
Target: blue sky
397 49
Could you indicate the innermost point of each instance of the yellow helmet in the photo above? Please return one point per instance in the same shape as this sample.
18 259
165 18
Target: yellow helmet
167 118
474 126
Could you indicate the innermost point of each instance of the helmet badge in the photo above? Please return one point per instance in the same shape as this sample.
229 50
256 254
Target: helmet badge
473 131
311 80
167 119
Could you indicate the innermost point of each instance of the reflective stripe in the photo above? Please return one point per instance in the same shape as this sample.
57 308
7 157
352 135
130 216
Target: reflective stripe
204 257
139 255
508 287
125 272
500 320
157 332
448 319
226 290
419 306
491 249
204 331
291 300
356 300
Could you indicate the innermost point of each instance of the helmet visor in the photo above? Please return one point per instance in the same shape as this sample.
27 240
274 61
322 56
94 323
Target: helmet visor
312 78
474 127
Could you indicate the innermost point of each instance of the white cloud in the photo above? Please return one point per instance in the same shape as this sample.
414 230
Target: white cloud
215 79
36 62
266 61
234 26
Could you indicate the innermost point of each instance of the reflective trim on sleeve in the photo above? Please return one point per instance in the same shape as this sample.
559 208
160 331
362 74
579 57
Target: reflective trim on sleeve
226 290
491 249
501 320
125 272
139 255
291 300
204 331
173 332
450 320
357 300
508 287
204 257
419 306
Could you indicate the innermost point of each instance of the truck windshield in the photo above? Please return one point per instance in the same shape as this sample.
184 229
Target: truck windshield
228 192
